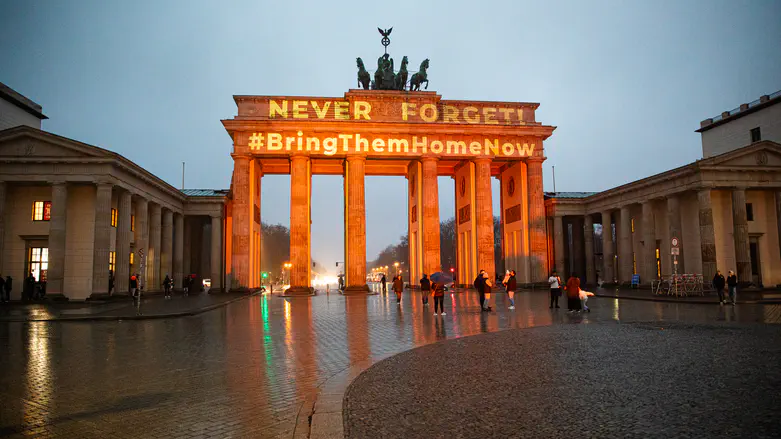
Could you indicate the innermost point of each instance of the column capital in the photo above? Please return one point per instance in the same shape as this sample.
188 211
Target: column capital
212 215
240 157
355 158
481 160
429 158
299 158
104 184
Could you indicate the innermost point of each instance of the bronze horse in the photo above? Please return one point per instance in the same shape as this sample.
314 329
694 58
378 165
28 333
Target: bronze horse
363 76
401 77
420 77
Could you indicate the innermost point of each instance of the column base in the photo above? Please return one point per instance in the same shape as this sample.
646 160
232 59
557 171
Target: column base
299 291
356 290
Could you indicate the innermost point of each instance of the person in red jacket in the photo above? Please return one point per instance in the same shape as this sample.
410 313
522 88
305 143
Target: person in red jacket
573 294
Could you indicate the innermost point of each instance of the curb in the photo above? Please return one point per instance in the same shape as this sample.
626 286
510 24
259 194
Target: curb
696 302
189 313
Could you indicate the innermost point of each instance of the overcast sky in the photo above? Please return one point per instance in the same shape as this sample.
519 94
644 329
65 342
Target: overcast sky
625 82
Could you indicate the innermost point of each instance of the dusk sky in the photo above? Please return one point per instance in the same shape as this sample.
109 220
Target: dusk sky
626 83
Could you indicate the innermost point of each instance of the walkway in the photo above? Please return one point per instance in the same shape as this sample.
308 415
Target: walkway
249 368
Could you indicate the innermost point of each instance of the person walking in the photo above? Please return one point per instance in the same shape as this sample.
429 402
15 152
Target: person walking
732 284
510 285
384 282
167 286
718 285
425 288
398 287
2 290
555 289
439 297
28 290
111 282
186 286
487 288
9 283
478 284
133 286
573 294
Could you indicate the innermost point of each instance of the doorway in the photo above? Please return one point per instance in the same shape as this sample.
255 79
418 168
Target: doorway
756 272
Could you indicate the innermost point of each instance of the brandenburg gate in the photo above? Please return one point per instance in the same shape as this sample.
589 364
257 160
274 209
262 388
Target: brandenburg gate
416 134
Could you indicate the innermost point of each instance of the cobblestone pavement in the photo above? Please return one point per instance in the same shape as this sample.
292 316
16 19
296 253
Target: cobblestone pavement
245 370
599 380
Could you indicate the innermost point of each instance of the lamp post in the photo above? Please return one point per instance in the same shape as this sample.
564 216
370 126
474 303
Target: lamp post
287 266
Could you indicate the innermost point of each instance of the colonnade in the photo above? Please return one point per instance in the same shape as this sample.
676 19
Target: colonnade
522 196
644 230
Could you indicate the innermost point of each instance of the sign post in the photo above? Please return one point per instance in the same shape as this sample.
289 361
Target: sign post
675 251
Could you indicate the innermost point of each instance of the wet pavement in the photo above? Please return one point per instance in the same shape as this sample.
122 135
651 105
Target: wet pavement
152 306
246 369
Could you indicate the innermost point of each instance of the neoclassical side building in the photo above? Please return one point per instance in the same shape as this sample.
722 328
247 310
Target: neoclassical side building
72 212
724 211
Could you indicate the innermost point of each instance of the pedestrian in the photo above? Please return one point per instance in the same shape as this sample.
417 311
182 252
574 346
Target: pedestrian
487 287
384 284
510 285
438 289
555 289
110 282
186 286
167 286
425 288
2 290
28 290
584 295
9 283
398 287
718 285
573 294
478 284
732 284
133 285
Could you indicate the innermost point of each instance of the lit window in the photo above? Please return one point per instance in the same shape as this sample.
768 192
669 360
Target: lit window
132 224
634 263
42 210
113 217
131 258
633 225
38 261
112 260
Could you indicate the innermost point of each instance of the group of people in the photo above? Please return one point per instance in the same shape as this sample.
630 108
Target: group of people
576 297
436 289
731 282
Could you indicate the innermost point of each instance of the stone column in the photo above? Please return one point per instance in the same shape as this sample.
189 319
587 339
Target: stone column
355 237
740 233
102 242
778 220
166 253
55 283
538 244
142 240
188 238
608 258
625 246
558 245
300 223
242 217
707 235
216 254
122 273
178 250
154 281
588 241
430 206
649 243
3 188
676 230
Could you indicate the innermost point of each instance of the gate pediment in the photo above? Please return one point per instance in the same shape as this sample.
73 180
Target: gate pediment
765 154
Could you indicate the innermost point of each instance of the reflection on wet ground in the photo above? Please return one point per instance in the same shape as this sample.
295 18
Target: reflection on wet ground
247 368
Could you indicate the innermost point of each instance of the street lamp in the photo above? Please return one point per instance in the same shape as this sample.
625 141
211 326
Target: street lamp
288 266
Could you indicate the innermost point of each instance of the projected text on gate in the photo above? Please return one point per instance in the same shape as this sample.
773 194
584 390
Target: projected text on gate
342 143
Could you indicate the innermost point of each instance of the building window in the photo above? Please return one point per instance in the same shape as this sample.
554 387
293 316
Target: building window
131 258
132 223
42 210
634 263
112 260
113 217
38 262
633 225
756 135
749 212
